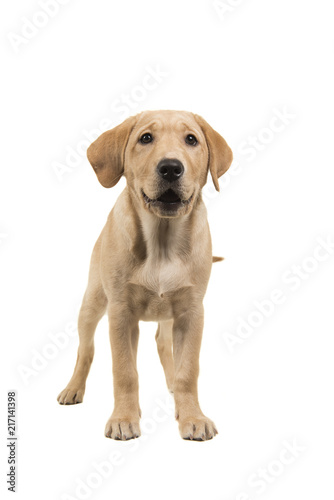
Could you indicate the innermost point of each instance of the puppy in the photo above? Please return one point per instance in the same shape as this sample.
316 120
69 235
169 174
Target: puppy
152 261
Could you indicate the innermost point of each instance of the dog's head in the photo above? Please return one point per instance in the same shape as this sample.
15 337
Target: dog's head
165 157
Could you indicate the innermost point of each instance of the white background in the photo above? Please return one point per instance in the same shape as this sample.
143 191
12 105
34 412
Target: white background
237 69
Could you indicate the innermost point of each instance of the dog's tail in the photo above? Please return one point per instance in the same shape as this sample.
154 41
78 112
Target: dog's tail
217 259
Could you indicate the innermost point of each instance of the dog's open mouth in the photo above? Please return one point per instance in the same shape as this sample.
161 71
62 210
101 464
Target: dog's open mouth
168 199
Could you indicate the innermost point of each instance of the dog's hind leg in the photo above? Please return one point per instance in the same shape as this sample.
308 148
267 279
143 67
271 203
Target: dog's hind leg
93 307
164 338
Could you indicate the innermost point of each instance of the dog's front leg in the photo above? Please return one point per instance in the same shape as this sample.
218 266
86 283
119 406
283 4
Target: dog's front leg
124 331
187 336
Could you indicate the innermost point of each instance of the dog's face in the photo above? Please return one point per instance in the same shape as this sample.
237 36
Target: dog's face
165 157
166 162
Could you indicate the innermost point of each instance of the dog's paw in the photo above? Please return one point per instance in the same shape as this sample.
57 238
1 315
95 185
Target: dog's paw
71 396
197 429
122 428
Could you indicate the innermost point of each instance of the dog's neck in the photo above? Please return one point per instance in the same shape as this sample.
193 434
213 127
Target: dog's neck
163 245
165 238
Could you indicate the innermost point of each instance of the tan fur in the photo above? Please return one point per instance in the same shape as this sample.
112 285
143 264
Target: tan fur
152 266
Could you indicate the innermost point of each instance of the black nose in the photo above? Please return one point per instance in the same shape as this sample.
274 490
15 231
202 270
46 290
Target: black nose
170 169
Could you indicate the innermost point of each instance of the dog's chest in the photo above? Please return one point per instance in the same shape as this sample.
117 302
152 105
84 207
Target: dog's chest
159 283
165 269
162 275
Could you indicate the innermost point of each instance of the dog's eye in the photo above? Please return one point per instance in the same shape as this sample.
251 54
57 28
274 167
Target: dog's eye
146 138
191 140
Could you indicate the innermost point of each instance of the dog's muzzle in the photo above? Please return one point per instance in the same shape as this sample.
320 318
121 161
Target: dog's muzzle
171 199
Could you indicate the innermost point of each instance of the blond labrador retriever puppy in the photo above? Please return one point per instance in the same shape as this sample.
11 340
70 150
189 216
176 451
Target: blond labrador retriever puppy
152 261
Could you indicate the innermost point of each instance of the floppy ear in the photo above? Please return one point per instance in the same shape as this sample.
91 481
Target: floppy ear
106 154
220 154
